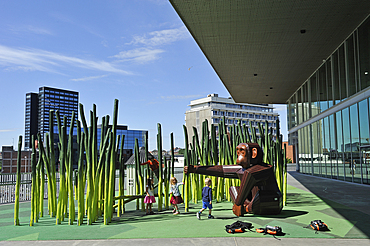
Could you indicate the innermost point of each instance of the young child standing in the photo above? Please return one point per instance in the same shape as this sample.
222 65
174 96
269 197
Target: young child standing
176 196
149 198
207 199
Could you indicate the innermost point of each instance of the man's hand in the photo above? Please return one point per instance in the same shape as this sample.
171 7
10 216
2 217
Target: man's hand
189 169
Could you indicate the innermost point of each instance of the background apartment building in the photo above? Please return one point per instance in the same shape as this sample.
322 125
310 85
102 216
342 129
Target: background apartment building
213 108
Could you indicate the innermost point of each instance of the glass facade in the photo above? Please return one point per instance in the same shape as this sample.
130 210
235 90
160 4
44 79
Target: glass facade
55 99
129 135
328 116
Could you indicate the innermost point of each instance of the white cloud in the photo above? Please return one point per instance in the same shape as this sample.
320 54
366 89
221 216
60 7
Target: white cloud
30 29
141 55
89 78
45 61
7 130
161 37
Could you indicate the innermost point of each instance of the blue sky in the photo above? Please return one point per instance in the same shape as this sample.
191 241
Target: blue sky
137 51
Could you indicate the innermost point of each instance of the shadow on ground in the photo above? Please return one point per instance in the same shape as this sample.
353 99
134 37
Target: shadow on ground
341 206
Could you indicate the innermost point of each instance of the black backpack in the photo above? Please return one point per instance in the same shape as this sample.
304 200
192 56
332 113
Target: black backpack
272 230
238 227
318 225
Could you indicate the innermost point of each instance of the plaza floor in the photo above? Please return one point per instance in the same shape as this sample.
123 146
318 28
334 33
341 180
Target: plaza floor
344 206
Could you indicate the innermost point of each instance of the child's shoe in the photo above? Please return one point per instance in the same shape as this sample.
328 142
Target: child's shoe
210 216
198 215
177 212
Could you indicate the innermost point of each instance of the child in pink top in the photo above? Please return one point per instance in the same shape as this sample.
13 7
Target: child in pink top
149 198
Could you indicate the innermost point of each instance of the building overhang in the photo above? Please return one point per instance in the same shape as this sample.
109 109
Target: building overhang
263 51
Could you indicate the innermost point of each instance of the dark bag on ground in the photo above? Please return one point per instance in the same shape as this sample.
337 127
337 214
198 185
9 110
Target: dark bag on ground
318 225
238 227
272 230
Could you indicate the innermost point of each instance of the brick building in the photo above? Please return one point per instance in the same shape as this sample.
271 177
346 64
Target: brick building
10 160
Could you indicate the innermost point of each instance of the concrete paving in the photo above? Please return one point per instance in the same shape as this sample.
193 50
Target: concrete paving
355 196
197 241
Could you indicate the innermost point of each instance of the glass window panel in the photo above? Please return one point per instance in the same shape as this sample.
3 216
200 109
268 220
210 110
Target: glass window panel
300 151
303 105
326 147
329 83
364 138
350 66
355 137
323 89
315 106
333 146
346 142
364 48
364 122
342 73
335 77
299 106
317 146
308 149
339 144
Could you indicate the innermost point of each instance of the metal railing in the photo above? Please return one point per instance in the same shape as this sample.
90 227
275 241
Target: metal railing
7 187
8 181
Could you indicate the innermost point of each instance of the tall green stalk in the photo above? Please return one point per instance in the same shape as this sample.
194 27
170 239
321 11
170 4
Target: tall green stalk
160 160
41 168
18 183
33 190
186 186
70 171
81 173
51 154
121 190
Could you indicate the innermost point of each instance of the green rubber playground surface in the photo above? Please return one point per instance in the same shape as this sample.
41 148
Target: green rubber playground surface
302 207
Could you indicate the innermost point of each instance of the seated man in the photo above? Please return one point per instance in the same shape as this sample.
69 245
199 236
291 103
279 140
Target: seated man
258 192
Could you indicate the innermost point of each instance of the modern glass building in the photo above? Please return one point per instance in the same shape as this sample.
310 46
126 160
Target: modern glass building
31 118
38 106
329 114
313 56
64 101
129 139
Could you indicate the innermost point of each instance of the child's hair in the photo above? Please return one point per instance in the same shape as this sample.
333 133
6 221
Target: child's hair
149 183
208 181
173 180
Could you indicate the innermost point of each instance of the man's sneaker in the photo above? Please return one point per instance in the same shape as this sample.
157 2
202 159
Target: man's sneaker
210 217
198 215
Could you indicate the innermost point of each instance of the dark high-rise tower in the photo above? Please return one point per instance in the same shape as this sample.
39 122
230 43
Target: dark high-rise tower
38 106
31 118
57 99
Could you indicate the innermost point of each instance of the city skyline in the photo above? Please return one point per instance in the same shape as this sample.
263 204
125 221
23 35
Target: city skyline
138 52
